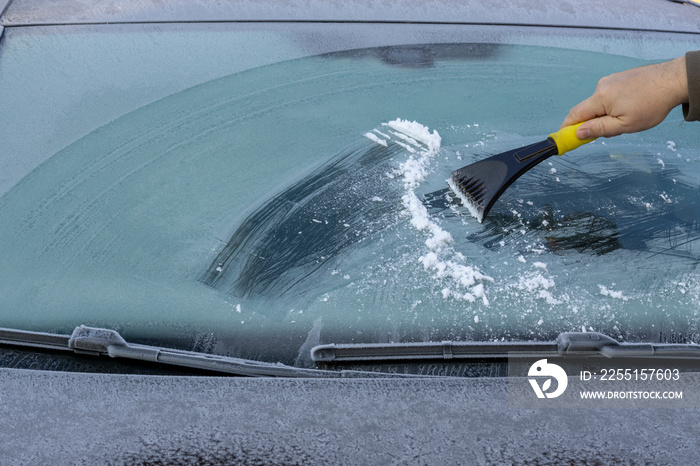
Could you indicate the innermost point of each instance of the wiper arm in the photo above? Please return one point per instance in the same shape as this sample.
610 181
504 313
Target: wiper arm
567 344
107 342
582 343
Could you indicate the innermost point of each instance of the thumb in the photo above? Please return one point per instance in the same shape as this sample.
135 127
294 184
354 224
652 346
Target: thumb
605 126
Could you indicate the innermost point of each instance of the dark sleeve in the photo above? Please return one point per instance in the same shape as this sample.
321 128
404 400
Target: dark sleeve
691 110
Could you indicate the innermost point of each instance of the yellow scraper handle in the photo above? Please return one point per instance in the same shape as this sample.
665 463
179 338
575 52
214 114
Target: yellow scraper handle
566 139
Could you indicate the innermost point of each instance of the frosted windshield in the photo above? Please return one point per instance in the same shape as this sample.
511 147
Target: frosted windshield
305 202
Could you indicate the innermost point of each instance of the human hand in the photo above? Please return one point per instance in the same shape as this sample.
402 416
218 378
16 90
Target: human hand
631 101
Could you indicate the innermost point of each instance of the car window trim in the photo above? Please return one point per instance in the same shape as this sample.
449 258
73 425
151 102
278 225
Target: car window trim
363 21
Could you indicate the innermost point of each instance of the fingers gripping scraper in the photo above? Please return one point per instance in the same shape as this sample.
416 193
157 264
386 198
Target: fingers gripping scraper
480 184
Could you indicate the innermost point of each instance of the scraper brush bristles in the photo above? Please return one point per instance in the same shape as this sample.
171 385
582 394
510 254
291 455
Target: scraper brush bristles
473 189
471 192
480 184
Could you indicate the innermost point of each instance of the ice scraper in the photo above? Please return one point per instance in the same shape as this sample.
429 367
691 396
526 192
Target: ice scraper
480 184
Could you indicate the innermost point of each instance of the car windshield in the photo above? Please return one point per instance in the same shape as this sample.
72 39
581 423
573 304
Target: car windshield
270 191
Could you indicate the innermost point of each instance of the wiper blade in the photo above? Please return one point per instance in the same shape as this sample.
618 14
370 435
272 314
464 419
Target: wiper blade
53 341
107 342
418 351
567 344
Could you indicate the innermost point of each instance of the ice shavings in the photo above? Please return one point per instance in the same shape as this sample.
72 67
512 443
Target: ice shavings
440 259
384 135
613 294
406 146
465 277
418 132
373 137
408 139
539 285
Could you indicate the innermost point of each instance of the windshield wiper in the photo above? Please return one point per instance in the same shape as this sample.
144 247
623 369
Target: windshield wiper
107 342
567 344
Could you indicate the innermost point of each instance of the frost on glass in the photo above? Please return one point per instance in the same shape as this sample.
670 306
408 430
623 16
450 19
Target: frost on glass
305 202
287 245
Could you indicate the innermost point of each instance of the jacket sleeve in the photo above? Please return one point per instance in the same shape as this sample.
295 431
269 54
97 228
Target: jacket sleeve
691 110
